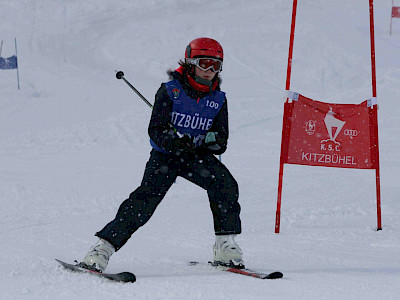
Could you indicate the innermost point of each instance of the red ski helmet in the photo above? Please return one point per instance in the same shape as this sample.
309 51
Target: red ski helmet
204 47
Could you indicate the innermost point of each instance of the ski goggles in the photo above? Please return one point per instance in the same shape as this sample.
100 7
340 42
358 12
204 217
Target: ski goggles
207 63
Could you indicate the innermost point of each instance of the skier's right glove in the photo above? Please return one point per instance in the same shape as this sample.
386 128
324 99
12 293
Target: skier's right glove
183 144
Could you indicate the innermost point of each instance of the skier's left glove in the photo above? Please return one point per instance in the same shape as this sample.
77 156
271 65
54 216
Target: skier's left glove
212 141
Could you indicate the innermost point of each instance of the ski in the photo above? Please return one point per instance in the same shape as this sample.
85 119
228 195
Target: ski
120 277
244 271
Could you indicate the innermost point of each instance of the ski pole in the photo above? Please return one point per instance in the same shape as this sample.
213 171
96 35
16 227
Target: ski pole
120 75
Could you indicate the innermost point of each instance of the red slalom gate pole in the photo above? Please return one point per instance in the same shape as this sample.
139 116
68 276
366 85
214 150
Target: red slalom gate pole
288 75
290 55
373 68
375 114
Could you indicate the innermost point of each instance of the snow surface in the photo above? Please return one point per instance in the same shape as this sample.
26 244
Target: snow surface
73 145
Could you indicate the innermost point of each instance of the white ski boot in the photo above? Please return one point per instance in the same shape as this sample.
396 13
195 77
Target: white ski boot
227 252
98 255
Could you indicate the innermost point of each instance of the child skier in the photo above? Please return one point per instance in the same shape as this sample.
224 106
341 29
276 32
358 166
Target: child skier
188 126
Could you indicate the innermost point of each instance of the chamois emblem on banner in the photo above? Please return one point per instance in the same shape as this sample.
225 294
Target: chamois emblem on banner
310 127
334 126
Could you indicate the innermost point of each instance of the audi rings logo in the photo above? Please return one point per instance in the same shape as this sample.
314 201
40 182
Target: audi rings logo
351 132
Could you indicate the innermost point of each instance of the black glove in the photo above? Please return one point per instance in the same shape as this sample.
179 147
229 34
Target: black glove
183 144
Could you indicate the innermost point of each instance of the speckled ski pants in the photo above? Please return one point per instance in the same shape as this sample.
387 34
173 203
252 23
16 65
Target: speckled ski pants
204 170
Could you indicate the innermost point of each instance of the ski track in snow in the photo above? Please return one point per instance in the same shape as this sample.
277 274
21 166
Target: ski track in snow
73 145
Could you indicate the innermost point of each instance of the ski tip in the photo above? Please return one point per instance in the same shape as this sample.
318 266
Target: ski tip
274 275
128 277
63 263
60 261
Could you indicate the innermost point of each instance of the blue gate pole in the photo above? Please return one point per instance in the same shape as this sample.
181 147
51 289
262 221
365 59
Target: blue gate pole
16 55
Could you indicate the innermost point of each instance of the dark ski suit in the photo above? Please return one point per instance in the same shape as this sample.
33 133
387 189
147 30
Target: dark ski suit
204 112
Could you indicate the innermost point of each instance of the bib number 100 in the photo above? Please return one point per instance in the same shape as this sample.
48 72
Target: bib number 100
212 104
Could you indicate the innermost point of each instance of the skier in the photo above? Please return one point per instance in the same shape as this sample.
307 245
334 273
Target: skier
188 126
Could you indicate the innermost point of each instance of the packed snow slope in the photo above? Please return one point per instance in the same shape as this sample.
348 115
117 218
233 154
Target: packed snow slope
73 145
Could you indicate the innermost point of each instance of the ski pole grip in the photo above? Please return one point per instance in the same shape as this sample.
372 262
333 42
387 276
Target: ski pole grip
119 74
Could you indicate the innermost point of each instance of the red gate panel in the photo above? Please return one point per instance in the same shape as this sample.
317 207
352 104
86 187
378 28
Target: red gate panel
328 134
396 12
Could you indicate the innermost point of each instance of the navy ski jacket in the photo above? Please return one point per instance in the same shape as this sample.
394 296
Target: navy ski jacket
190 111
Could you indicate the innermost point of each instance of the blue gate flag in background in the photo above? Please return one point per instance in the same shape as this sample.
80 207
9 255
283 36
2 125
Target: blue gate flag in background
9 63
